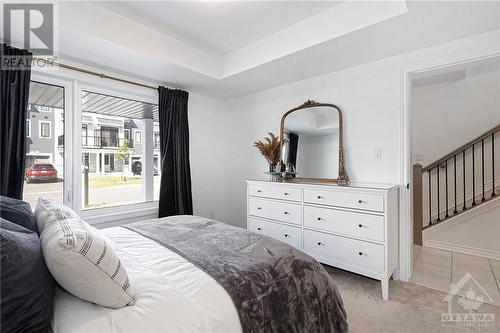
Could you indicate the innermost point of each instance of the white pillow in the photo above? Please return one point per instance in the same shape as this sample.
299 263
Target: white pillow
46 207
81 258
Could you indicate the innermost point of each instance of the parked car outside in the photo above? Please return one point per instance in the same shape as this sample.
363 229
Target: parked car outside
41 172
137 169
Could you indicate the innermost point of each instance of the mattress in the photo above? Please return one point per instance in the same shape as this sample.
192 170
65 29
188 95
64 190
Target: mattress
173 295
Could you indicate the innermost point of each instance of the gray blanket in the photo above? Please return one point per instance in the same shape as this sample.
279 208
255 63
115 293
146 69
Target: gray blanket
274 287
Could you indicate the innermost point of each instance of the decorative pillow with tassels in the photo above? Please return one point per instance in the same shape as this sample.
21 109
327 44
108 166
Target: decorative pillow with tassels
81 258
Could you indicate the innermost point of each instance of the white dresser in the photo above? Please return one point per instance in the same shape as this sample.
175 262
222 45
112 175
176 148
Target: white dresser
352 227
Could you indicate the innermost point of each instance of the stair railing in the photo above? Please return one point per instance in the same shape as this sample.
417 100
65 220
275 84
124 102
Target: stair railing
453 204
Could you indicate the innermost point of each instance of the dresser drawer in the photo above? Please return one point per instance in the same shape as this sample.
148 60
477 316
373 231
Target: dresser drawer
275 192
284 233
349 250
347 223
374 202
276 210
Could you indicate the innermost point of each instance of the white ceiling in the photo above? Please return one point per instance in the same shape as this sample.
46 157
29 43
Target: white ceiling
217 27
228 49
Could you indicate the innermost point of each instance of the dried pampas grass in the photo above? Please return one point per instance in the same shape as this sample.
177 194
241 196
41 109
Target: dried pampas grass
270 149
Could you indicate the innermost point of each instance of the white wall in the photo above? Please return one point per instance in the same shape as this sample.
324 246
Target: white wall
448 115
206 156
370 97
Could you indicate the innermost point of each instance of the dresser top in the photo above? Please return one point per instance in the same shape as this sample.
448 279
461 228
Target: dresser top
375 186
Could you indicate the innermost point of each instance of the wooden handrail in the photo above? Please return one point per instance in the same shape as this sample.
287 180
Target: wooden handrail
461 148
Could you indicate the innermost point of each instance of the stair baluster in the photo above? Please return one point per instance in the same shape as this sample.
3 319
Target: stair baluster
455 181
438 205
473 175
463 169
493 192
430 197
446 182
482 167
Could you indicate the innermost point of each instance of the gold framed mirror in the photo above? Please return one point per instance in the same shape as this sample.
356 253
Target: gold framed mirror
311 137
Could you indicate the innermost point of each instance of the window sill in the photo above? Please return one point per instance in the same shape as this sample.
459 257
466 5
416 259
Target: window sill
120 215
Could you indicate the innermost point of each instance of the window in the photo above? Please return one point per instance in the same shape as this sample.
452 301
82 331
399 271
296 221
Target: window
44 168
109 172
115 172
45 129
109 137
138 137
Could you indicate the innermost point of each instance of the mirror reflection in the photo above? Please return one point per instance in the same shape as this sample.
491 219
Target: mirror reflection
311 146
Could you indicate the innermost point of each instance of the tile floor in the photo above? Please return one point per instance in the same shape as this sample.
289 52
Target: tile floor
438 269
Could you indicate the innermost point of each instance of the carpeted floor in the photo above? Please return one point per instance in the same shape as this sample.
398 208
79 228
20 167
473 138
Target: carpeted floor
411 308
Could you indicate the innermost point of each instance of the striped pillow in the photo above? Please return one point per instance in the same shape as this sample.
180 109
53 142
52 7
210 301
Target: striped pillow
81 258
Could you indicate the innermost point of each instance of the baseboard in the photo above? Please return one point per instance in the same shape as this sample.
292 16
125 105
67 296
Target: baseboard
463 249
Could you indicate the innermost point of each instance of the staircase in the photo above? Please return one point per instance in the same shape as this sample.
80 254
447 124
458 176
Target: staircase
461 181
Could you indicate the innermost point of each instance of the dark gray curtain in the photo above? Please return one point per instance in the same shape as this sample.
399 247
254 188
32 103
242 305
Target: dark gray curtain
293 144
175 188
14 93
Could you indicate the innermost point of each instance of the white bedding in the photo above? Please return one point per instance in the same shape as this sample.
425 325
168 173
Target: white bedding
172 295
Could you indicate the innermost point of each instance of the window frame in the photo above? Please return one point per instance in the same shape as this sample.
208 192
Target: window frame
40 122
28 120
67 85
74 83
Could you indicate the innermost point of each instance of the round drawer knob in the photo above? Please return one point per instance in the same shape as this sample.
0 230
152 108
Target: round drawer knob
286 235
286 213
259 228
360 253
360 225
319 197
258 191
319 243
286 193
319 219
259 208
360 201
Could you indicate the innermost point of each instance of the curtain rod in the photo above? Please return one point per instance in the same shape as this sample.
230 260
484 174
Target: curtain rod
101 75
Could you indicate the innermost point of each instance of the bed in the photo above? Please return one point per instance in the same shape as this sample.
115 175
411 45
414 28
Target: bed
192 274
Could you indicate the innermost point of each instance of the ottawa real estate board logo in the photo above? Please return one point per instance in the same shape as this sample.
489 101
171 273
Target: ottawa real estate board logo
469 296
